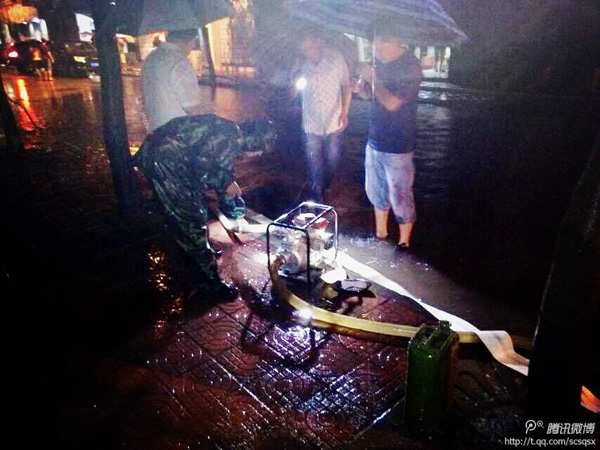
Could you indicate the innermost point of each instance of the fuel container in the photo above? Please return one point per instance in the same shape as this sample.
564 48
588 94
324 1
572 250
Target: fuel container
432 355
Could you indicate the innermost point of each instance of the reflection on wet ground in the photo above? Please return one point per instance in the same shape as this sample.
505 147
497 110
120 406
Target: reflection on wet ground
144 363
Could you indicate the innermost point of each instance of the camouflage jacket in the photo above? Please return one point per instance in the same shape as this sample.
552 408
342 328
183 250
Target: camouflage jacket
199 150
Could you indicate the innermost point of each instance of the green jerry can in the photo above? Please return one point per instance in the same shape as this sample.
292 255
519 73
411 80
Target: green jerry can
432 355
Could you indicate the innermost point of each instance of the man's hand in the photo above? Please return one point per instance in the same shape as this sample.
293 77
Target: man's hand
389 101
233 190
343 121
365 71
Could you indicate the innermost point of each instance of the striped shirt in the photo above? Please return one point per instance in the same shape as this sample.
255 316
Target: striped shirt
322 97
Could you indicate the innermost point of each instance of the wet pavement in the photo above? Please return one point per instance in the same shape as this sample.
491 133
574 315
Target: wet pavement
116 354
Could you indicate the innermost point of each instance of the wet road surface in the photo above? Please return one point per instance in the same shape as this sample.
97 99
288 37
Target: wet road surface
494 178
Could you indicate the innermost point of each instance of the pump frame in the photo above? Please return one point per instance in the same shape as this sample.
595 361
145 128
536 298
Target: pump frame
280 222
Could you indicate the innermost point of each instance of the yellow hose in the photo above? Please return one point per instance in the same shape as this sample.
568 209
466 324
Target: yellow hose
322 315
317 314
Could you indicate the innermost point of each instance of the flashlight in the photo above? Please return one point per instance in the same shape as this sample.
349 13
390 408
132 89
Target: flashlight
301 83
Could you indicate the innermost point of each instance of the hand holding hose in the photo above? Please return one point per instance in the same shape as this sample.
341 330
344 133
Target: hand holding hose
231 202
234 190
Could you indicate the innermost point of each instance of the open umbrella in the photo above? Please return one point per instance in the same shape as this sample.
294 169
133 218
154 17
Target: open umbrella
417 22
139 17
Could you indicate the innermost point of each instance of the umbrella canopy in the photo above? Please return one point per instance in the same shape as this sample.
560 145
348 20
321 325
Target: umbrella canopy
417 22
139 17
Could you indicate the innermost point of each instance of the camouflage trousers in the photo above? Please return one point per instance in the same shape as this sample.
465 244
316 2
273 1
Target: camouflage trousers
182 161
187 219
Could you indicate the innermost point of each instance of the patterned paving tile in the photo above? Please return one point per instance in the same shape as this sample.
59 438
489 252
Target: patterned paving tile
294 344
391 357
327 420
372 388
400 310
241 372
243 312
217 336
333 360
227 410
150 419
359 305
284 388
181 355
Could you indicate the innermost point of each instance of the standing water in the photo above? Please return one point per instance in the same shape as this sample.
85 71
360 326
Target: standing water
495 173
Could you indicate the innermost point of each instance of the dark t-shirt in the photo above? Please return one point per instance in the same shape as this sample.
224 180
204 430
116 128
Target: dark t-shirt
396 132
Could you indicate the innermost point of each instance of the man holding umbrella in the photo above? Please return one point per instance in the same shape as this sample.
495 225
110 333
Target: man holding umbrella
188 154
170 85
393 85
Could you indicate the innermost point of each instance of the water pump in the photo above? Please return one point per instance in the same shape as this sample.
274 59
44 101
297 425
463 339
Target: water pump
303 240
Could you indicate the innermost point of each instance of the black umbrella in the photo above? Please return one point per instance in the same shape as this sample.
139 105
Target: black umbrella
417 22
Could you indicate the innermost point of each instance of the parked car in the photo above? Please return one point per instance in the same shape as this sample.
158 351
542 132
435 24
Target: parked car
4 53
21 55
75 58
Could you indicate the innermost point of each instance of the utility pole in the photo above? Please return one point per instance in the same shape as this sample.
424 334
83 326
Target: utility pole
113 110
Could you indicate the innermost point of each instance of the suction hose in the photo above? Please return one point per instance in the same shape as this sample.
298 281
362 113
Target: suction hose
332 318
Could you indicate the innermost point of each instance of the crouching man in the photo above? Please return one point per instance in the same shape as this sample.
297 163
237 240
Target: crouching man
185 159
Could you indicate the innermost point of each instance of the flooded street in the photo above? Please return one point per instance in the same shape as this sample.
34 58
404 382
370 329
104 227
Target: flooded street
143 364
494 177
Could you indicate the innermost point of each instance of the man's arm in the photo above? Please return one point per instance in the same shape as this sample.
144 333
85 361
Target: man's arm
293 91
346 96
409 92
185 83
389 101
234 190
194 110
363 85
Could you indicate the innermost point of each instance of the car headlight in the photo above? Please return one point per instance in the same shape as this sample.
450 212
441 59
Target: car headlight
80 59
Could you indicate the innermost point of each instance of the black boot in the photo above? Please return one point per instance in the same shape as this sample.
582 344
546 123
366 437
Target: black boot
224 292
205 276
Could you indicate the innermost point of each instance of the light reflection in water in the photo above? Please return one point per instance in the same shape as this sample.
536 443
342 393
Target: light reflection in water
158 277
27 118
23 94
162 282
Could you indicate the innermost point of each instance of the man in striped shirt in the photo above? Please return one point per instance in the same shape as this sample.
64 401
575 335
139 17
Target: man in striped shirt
326 97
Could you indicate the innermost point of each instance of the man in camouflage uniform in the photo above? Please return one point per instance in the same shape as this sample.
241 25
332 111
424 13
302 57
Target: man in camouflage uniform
183 160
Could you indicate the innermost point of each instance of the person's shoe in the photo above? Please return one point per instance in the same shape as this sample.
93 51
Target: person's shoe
225 292
402 247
